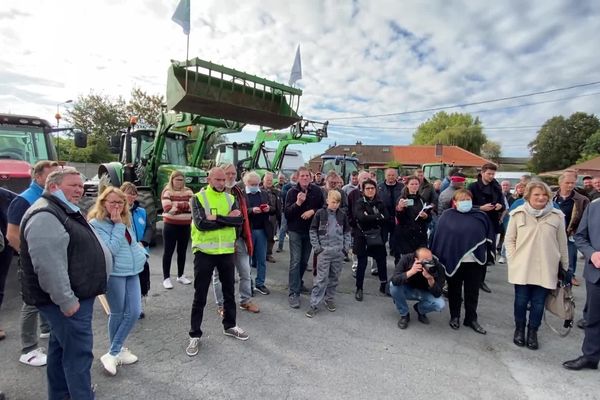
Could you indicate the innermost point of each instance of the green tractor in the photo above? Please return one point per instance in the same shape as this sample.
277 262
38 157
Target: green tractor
205 98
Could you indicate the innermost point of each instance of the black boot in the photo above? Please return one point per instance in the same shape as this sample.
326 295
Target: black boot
532 340
519 338
358 295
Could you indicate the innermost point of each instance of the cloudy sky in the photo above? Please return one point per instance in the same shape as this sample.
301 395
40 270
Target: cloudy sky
360 58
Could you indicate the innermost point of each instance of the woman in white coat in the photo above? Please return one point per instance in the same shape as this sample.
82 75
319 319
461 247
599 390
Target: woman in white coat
536 244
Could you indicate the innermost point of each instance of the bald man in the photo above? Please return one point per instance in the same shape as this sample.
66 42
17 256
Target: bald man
215 216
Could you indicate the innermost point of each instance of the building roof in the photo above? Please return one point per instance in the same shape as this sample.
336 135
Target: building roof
407 155
593 164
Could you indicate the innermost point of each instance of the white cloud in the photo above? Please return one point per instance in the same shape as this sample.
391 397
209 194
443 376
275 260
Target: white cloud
359 58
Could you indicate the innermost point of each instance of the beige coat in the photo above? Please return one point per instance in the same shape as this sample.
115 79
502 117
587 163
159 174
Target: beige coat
534 248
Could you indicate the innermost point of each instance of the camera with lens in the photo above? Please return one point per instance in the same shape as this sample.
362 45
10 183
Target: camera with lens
429 265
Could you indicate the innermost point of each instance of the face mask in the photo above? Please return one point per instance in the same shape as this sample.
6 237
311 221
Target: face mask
253 189
60 194
464 206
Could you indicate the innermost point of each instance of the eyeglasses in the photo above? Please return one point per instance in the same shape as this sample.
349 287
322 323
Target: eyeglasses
115 203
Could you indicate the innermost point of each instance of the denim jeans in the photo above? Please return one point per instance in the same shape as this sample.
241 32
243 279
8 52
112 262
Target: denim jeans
426 301
70 354
259 256
241 260
525 294
572 249
6 256
300 249
282 231
125 300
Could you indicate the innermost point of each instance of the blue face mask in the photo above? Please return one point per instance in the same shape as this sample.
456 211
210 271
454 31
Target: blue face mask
63 198
253 189
464 206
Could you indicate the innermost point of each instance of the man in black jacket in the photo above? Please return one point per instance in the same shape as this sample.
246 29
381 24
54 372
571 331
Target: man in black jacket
418 276
301 204
487 196
389 192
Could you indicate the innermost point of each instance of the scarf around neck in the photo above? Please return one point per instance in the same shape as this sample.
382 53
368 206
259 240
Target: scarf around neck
538 213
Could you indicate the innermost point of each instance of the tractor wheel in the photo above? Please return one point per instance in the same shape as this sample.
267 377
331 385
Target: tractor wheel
146 200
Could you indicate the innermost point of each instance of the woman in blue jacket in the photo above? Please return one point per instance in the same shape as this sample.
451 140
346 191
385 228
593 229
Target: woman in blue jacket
111 219
143 234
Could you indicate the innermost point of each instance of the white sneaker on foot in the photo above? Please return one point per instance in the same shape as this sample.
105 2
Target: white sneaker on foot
127 357
184 280
192 348
167 284
110 363
35 358
44 335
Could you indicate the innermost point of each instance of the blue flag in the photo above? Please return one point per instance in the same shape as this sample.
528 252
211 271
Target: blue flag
296 73
182 15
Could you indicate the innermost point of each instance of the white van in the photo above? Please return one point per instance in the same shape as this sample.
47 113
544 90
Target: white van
512 177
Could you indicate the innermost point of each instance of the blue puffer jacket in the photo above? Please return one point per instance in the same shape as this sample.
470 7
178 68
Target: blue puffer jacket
128 259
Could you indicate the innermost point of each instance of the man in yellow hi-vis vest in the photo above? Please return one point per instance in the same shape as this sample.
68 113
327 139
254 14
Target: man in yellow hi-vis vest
215 217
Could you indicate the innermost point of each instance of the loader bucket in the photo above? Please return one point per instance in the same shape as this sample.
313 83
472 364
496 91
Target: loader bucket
201 87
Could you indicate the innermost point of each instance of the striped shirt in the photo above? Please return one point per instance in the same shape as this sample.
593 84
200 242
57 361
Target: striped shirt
176 206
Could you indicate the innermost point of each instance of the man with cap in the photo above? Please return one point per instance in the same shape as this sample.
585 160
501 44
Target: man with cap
457 181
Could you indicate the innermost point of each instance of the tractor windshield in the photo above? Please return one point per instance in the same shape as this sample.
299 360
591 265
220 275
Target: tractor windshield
26 143
174 151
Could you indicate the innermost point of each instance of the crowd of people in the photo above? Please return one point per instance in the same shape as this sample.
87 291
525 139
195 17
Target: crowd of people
441 235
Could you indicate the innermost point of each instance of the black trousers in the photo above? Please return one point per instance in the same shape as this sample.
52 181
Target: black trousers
5 260
145 279
469 277
175 235
204 265
591 341
381 260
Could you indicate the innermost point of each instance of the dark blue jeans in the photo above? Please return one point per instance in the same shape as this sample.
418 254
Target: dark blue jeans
300 249
70 354
259 256
525 294
572 249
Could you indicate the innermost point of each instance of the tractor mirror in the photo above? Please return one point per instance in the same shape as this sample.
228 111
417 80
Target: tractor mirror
79 139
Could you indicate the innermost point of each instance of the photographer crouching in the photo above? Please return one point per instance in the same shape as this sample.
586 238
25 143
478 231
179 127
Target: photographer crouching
418 276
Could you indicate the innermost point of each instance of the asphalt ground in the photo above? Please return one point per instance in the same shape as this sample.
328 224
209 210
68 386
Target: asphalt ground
356 352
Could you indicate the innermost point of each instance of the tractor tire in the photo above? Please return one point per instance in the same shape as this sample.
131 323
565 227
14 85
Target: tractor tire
146 199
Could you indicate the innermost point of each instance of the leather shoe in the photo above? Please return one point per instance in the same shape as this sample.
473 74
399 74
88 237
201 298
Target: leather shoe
483 286
421 317
358 295
403 321
455 323
581 323
519 338
2 397
476 327
580 363
532 339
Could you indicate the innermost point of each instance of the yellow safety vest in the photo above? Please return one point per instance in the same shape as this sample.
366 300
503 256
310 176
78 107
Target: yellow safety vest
217 241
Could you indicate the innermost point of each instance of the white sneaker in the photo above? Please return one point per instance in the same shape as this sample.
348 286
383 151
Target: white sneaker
502 260
44 335
127 357
184 280
35 358
167 283
110 363
193 347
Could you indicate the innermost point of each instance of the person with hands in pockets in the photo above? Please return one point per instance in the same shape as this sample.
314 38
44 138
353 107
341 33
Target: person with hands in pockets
330 237
111 219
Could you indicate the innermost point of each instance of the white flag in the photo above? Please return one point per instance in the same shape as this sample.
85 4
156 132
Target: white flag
182 15
296 68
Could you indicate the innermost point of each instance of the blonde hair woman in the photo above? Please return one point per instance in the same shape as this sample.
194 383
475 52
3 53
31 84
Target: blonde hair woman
536 242
111 219
177 217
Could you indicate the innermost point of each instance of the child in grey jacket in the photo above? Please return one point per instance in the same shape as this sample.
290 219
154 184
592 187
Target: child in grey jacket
330 237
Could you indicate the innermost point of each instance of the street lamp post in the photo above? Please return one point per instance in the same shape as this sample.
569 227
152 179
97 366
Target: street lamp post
58 118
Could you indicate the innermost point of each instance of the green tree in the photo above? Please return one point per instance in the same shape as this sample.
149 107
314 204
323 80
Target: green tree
454 129
491 150
561 141
591 148
145 106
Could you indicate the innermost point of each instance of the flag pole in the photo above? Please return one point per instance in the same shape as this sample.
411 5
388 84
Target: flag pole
187 61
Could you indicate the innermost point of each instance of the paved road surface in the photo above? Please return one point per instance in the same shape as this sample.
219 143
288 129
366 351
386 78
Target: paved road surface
356 352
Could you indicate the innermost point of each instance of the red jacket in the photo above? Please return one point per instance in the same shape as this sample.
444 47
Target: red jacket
246 233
